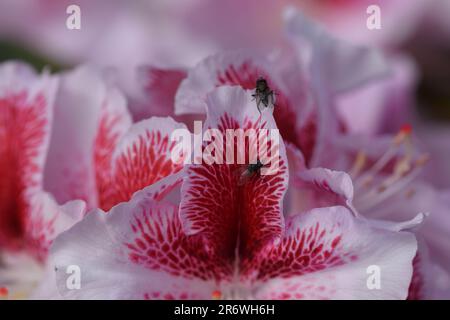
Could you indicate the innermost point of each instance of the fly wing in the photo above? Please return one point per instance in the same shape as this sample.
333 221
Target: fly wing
259 103
271 101
242 174
271 98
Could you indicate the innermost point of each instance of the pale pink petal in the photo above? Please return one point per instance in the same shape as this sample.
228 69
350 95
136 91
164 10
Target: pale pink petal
326 254
26 107
335 182
158 87
167 189
90 118
436 227
384 105
294 199
47 220
333 67
341 66
317 187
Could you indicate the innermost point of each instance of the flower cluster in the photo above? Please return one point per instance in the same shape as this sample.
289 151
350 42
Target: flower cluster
88 180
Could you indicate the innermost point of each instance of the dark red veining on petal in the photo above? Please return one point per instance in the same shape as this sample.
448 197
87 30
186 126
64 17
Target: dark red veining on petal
213 206
308 250
416 287
23 134
213 200
260 221
307 137
226 213
246 75
159 243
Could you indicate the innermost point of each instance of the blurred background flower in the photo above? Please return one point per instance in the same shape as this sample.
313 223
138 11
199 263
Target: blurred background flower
179 34
163 33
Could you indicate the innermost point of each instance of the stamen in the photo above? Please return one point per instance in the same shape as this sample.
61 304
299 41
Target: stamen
375 197
405 170
404 132
358 164
400 138
406 129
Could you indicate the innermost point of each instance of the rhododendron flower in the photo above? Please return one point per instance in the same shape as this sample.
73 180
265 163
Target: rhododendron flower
110 158
383 168
230 240
91 168
29 217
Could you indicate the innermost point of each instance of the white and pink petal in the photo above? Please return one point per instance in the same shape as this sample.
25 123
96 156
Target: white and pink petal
327 253
141 158
78 160
26 109
136 251
215 204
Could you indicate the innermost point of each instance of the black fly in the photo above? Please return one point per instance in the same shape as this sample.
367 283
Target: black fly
264 96
249 172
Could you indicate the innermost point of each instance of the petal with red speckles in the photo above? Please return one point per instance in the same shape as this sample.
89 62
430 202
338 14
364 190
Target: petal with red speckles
242 68
110 159
238 68
26 107
214 205
47 220
137 251
142 158
329 254
114 124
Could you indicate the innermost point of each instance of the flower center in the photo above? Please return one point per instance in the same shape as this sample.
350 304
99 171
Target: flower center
390 174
